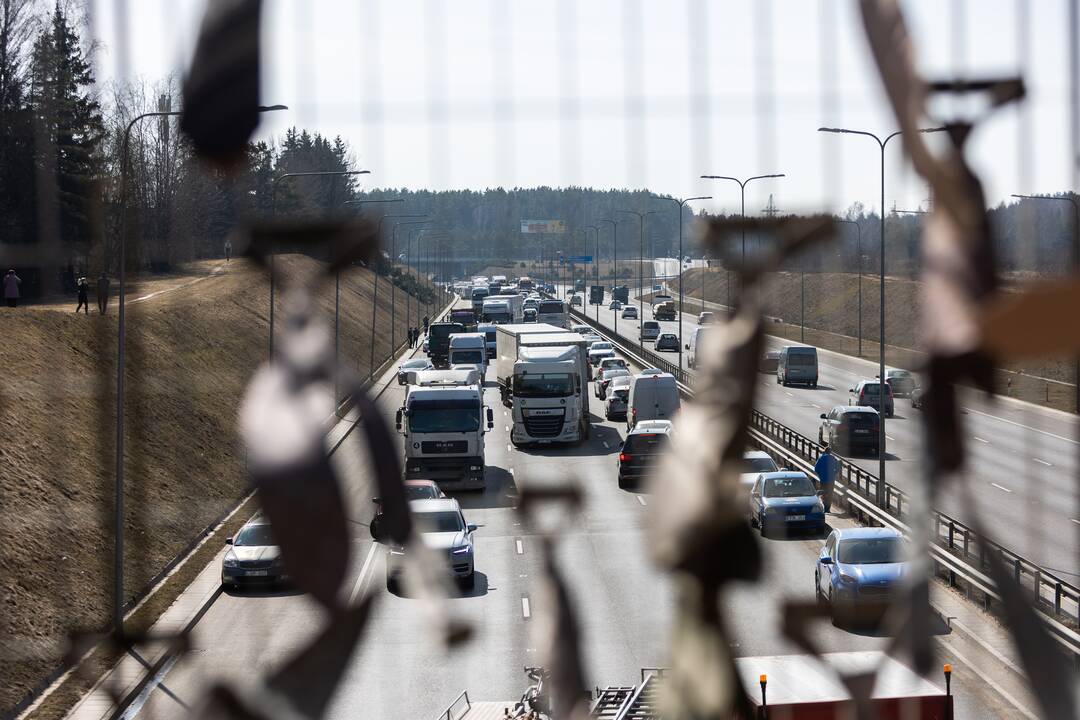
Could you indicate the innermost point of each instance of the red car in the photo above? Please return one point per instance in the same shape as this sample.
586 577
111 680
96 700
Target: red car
414 490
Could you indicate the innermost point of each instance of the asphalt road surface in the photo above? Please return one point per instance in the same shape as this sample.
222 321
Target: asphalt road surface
624 603
1022 459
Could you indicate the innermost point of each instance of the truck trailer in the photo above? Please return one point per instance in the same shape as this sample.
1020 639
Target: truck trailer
507 342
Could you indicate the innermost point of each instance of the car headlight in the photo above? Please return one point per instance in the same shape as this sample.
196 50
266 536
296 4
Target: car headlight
847 580
819 507
463 550
230 561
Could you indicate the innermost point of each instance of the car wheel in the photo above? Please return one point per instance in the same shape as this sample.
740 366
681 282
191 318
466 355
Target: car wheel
470 582
813 385
761 526
817 589
622 482
392 584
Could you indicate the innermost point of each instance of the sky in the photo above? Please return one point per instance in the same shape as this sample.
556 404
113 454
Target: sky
629 93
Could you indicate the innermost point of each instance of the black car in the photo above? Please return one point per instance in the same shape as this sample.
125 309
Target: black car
640 450
851 430
902 382
667 342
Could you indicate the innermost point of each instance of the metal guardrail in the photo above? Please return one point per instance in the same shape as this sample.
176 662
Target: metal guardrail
448 713
956 549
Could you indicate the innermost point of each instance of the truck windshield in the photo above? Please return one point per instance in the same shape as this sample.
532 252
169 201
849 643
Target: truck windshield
461 315
496 317
544 385
551 306
439 416
468 356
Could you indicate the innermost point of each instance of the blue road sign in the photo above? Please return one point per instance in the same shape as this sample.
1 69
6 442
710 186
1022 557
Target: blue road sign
580 259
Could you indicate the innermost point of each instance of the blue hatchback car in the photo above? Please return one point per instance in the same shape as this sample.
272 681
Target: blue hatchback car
786 500
859 571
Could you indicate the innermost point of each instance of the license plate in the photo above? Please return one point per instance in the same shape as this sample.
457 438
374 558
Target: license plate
792 518
862 432
256 573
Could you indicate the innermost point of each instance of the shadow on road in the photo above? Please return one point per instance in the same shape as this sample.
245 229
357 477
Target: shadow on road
262 591
500 491
593 447
479 588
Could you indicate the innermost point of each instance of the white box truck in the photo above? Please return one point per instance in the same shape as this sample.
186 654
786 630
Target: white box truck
444 422
469 349
502 309
550 390
507 339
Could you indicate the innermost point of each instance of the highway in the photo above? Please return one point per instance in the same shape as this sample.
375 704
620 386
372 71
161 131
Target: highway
1022 462
624 603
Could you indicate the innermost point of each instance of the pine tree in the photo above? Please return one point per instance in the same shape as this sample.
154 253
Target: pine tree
65 106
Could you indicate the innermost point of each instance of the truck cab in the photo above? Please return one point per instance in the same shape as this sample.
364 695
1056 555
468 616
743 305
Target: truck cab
444 422
550 395
490 332
439 341
477 296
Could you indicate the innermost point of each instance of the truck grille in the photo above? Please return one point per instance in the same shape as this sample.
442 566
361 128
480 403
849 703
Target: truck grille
444 446
544 426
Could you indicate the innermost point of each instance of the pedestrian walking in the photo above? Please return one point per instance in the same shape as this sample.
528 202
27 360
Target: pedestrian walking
102 293
11 288
413 334
82 287
425 324
827 468
228 249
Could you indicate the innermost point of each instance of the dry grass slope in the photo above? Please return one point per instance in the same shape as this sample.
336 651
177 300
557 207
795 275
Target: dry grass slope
191 349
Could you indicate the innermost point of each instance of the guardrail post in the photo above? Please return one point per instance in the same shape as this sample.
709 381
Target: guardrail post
1057 598
1037 582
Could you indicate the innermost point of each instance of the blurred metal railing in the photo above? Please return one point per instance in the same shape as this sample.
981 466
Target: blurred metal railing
957 551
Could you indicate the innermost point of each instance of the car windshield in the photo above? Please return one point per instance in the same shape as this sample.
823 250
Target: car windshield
421 492
860 419
468 356
254 535
622 393
759 464
600 346
414 364
646 443
870 388
444 417
793 486
870 551
614 372
439 522
543 385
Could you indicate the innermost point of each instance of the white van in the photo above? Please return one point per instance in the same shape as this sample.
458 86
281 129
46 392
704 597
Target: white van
652 397
469 349
694 346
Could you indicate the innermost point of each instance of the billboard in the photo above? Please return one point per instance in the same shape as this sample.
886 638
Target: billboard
556 227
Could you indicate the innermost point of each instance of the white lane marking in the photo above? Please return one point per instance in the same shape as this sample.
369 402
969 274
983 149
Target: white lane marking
976 437
816 405
520 547
1074 520
508 448
507 428
1043 462
953 652
789 394
1002 487
890 437
526 611
511 471
641 500
363 571
137 705
1021 425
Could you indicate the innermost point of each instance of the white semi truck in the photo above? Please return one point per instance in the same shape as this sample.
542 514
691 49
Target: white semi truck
549 388
507 340
444 422
503 309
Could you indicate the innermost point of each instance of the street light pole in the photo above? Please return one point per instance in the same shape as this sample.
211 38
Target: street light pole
1076 257
880 494
596 264
641 270
375 290
742 213
393 287
614 263
679 204
121 337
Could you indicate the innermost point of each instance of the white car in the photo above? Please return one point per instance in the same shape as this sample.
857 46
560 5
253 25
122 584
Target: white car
412 366
442 528
756 462
581 329
600 350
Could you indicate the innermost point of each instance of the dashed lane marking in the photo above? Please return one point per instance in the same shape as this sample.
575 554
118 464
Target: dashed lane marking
507 428
508 448
363 574
526 611
1043 462
1002 488
889 437
976 437
1074 520
789 394
519 546
641 500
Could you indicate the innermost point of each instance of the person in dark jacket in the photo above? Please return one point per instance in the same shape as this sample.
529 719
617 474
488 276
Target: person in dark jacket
102 293
11 288
82 287
827 468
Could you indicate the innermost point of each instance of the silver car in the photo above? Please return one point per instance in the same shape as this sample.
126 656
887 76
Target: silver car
253 557
411 366
617 398
443 529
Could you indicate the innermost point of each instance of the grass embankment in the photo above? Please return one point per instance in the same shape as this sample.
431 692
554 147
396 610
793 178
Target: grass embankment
832 322
192 344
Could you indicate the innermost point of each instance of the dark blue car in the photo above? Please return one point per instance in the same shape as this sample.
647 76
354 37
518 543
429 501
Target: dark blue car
859 571
787 500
